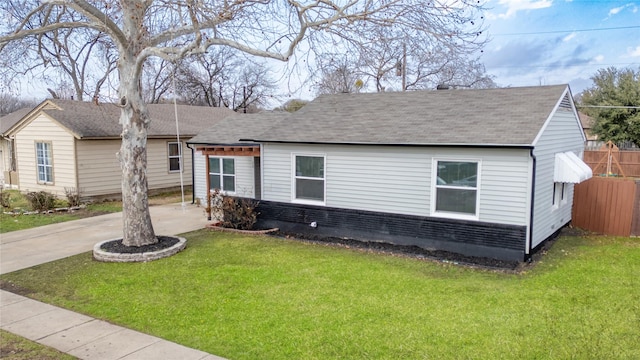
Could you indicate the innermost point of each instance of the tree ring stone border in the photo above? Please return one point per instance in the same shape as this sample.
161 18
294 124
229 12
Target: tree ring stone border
106 256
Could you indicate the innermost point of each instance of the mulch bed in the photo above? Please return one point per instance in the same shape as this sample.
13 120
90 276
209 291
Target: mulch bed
117 247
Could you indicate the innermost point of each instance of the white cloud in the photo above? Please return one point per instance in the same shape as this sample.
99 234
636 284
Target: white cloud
617 10
599 58
569 37
513 6
634 52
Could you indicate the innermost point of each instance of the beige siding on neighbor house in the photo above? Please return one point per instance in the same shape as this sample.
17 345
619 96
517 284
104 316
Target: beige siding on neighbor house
98 168
43 129
99 171
4 157
158 165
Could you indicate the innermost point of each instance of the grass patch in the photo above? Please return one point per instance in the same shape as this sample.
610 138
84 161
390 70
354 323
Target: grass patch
21 222
259 297
14 347
11 222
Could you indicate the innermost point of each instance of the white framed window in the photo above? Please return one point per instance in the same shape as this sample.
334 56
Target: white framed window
44 161
222 174
559 196
456 187
309 178
175 156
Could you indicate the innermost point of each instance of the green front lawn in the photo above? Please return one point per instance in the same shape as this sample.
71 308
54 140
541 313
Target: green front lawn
13 222
246 297
14 347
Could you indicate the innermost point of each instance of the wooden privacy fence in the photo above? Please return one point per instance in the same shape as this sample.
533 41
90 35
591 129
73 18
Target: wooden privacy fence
629 162
607 205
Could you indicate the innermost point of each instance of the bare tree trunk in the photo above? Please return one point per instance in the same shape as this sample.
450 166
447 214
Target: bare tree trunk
134 117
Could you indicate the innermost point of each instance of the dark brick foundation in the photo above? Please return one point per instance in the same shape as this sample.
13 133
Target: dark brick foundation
471 238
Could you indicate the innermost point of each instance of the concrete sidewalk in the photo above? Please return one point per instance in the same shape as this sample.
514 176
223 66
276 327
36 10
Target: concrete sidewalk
79 335
85 337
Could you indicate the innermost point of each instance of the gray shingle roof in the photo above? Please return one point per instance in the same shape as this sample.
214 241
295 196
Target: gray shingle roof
505 116
240 126
11 119
88 120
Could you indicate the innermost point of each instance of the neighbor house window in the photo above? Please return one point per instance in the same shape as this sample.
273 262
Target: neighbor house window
309 178
175 156
456 188
222 174
44 162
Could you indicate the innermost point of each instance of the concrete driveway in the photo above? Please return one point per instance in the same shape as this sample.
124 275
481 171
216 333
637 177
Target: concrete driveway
76 334
27 248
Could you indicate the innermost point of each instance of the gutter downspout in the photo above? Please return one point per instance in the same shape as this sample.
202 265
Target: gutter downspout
193 176
528 247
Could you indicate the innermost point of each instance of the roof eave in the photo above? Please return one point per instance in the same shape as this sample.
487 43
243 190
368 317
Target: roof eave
469 145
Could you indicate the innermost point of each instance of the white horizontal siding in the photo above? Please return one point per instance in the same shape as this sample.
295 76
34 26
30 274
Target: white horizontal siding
245 185
244 176
200 176
562 133
43 129
398 179
505 186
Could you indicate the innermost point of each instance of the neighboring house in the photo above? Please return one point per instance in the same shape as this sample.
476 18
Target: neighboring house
8 174
221 161
478 172
587 122
63 144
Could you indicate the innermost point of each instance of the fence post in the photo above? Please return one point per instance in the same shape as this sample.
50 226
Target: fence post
635 213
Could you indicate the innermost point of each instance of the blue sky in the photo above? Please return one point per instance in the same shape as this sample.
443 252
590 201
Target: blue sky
544 42
532 42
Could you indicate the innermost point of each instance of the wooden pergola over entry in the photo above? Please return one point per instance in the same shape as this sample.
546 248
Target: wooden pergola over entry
229 150
241 150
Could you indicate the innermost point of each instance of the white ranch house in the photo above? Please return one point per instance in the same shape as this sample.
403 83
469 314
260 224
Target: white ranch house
479 172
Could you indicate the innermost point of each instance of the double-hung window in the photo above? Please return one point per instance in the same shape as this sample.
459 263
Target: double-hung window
175 156
222 174
44 161
309 178
456 188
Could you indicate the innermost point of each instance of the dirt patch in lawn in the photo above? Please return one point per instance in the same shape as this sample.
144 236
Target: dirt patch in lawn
16 289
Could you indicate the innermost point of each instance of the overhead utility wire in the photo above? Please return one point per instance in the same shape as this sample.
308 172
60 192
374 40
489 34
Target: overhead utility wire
608 106
568 31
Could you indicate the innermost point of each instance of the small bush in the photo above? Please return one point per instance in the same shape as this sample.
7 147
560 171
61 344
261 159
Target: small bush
214 207
73 196
41 200
239 213
5 199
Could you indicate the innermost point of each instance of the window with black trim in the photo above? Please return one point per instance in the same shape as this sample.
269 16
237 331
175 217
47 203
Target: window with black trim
222 174
44 161
309 178
175 156
456 188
